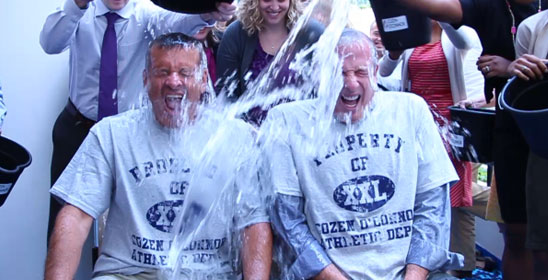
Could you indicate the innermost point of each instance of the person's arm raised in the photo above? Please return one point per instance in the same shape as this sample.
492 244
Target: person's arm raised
449 11
70 232
60 26
460 38
389 62
82 4
224 12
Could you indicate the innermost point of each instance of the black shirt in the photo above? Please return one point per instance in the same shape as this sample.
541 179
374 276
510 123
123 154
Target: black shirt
492 21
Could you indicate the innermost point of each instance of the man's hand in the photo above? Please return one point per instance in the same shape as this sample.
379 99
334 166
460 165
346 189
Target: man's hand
82 4
528 67
330 272
225 11
415 272
493 66
395 55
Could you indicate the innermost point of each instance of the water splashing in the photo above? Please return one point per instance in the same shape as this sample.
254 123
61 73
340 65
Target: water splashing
223 188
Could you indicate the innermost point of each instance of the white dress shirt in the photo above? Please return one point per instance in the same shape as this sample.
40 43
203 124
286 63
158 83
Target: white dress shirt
82 31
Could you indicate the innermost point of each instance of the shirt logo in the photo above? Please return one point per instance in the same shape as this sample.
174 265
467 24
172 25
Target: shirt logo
162 215
364 194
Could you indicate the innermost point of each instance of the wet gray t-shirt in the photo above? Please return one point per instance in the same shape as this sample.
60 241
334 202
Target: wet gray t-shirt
148 176
359 184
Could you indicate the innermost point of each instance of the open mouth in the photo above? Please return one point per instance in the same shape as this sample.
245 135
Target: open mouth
173 101
350 101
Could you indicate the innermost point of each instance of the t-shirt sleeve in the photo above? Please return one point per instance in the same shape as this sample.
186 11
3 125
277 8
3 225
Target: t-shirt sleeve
87 181
523 39
252 200
434 166
279 164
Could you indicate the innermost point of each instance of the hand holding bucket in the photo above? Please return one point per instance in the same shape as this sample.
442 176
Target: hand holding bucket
527 101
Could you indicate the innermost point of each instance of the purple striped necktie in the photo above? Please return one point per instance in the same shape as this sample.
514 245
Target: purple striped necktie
108 73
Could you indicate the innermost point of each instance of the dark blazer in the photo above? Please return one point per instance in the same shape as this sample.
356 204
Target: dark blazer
237 48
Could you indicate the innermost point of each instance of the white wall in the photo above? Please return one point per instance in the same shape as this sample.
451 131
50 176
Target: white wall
489 237
35 89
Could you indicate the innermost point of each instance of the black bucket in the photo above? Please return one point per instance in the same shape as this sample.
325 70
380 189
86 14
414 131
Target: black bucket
13 159
189 6
400 27
472 134
528 103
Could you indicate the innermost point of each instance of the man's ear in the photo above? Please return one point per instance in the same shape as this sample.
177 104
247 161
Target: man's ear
375 76
205 77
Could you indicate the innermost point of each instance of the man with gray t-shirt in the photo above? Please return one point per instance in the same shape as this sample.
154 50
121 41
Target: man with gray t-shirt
369 199
171 181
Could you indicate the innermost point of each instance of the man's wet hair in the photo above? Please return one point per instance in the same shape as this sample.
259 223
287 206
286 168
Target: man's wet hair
176 40
351 36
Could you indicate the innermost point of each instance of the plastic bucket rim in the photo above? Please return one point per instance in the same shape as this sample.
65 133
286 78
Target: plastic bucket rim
522 113
20 166
506 106
481 111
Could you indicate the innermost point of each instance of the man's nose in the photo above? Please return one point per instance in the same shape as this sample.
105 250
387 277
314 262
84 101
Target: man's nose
174 80
350 81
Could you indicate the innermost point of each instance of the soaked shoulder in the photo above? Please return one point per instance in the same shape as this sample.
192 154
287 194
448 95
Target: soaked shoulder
241 127
125 119
295 109
401 100
232 131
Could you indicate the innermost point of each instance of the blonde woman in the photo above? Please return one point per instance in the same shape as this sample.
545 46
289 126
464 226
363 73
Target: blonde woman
251 42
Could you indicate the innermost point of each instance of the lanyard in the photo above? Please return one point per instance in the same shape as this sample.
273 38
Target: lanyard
513 30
